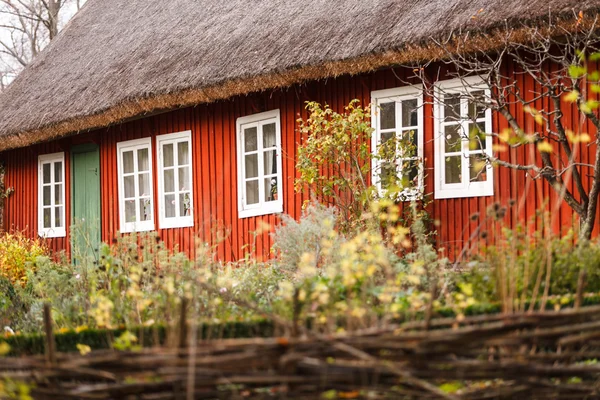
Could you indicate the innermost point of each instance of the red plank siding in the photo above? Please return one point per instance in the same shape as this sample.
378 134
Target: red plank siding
215 189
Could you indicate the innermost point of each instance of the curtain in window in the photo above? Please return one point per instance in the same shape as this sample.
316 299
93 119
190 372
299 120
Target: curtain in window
270 161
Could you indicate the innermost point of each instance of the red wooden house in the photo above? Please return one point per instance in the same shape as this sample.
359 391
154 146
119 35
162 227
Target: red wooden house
180 116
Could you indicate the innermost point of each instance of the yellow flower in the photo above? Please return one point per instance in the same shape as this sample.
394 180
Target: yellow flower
83 349
4 349
302 295
286 290
359 312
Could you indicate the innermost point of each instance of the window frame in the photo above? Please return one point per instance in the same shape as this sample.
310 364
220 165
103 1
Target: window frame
412 92
177 221
52 232
262 207
135 145
465 188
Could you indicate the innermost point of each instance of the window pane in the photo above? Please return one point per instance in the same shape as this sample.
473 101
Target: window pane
169 180
145 210
386 136
409 143
477 168
252 192
250 140
410 172
130 211
269 138
452 107
58 222
183 153
143 160
409 112
387 174
477 105
271 189
453 139
58 195
388 148
129 186
47 218
453 169
127 162
477 136
168 155
57 172
270 162
184 205
47 195
251 166
184 179
170 206
46 173
144 180
388 115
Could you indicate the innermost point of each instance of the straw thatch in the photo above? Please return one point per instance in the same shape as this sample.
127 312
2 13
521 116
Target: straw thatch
121 59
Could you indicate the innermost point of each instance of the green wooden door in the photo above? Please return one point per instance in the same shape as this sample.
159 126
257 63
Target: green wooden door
85 200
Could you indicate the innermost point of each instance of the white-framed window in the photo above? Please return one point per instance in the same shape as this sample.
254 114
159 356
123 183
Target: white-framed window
134 167
259 164
461 142
175 195
398 113
51 195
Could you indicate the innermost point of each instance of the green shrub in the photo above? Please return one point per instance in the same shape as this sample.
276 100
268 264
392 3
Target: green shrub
97 339
521 267
17 254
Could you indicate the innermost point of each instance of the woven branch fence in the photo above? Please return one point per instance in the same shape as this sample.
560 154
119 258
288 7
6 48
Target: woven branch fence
547 355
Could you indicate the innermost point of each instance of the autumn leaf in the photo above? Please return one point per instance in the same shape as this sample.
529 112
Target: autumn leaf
499 148
539 119
571 97
504 135
544 147
349 395
576 71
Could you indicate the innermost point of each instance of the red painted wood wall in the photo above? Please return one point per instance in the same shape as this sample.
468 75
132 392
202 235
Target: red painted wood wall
213 129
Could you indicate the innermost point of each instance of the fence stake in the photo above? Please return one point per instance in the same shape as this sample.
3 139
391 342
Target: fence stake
183 324
50 350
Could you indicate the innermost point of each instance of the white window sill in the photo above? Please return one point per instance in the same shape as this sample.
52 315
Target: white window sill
256 212
173 223
52 233
137 228
463 193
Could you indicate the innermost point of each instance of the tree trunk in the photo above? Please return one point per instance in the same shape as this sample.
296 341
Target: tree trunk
588 218
53 9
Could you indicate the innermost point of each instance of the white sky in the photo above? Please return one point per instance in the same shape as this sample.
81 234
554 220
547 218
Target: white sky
6 63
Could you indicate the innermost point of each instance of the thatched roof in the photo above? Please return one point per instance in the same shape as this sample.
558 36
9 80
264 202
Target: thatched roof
120 59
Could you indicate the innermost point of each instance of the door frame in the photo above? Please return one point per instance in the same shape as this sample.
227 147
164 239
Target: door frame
78 149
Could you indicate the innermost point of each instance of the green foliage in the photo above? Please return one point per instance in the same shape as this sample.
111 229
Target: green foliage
294 238
523 265
97 339
335 159
17 254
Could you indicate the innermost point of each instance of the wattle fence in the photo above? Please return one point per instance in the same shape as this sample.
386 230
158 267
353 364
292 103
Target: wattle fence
549 355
